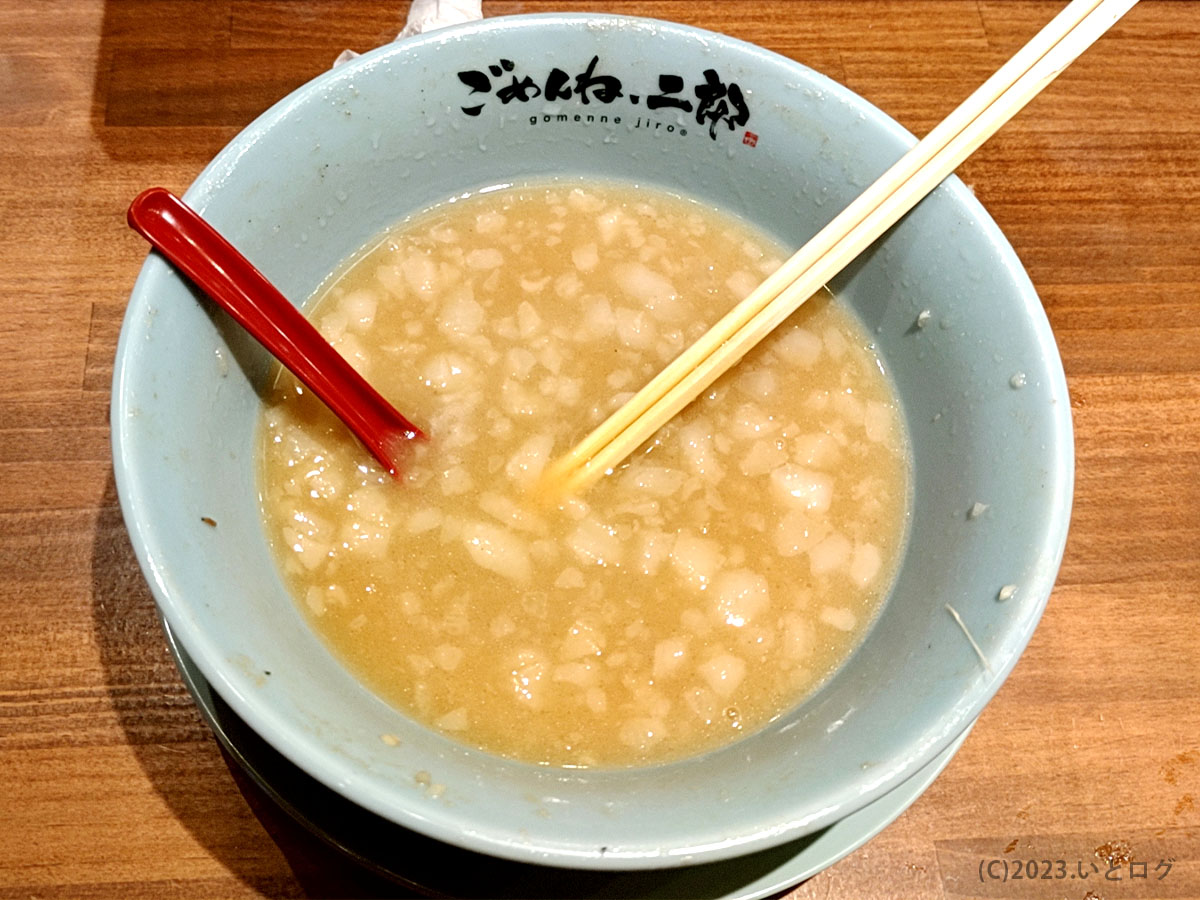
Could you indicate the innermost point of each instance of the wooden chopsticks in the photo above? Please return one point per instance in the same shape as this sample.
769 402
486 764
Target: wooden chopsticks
879 207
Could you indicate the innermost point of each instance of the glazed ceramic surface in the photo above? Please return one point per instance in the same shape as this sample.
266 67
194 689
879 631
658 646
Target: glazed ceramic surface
465 108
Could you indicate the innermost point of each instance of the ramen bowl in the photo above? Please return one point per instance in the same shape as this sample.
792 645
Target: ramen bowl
453 112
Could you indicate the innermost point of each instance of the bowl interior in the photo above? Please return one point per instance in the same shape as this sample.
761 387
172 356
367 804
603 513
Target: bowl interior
393 132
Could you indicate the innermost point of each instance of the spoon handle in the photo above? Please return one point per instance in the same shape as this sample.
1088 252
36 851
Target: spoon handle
216 267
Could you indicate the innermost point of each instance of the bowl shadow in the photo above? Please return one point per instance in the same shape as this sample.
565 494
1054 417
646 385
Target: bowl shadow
179 754
194 749
394 859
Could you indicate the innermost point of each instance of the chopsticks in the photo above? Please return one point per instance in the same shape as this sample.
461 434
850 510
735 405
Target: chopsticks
879 207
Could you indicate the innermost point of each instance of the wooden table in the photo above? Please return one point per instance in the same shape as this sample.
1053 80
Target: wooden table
111 785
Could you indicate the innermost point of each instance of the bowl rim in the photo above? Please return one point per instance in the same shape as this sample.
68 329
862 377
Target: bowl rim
335 771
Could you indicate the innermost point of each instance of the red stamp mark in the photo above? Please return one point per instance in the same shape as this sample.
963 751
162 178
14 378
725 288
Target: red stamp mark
750 139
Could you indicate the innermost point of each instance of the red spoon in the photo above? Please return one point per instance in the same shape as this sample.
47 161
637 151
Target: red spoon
177 231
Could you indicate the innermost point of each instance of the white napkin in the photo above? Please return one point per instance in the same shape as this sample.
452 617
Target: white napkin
428 15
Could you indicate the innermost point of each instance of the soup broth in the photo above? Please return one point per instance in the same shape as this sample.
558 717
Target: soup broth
702 589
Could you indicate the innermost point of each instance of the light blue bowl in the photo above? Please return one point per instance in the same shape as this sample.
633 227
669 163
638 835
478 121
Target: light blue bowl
327 168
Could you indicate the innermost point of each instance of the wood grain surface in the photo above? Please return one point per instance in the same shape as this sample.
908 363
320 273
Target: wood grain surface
110 783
